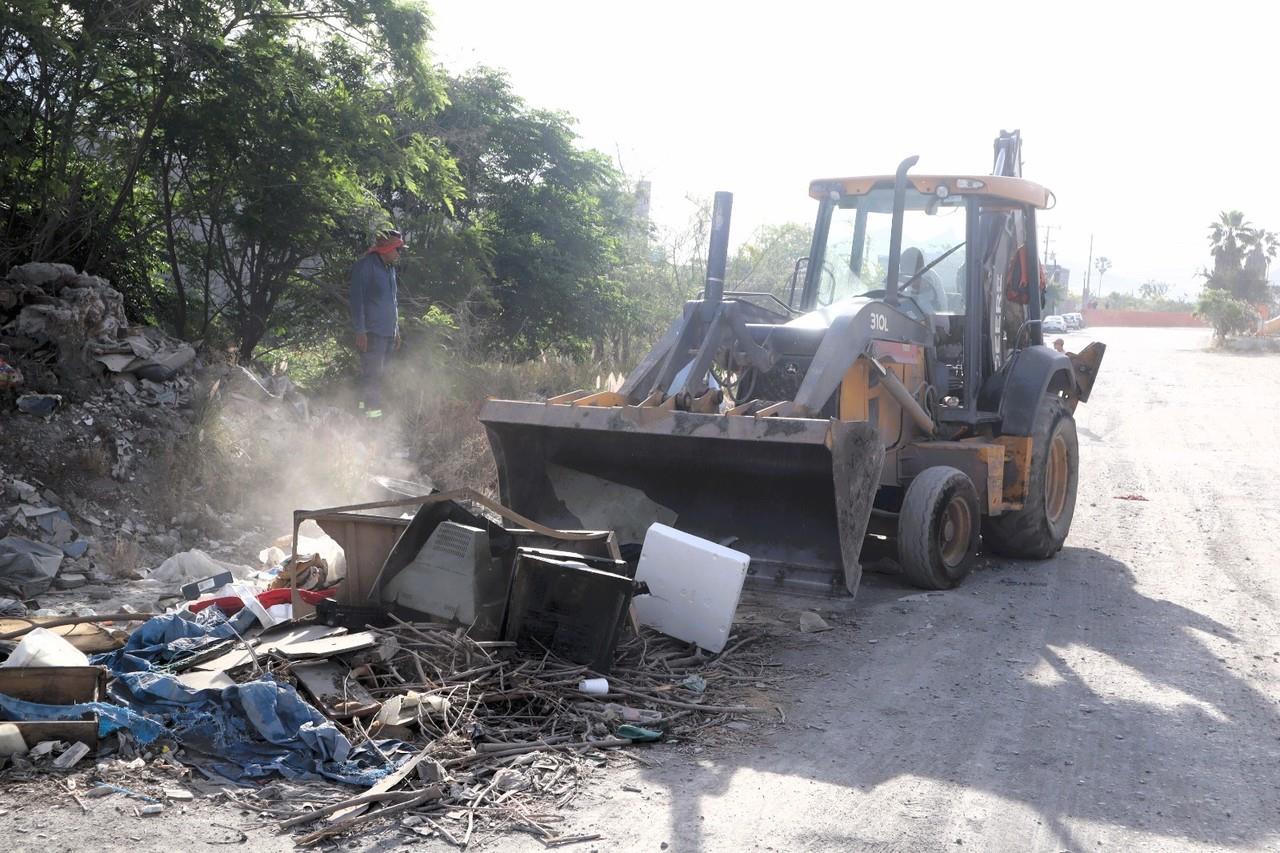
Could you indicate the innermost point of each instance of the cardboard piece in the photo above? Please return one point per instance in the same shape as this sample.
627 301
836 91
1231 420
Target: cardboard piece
267 642
327 647
200 679
339 695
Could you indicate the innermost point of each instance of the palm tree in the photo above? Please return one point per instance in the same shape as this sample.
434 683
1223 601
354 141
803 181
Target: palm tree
1102 264
1225 238
1227 231
1262 245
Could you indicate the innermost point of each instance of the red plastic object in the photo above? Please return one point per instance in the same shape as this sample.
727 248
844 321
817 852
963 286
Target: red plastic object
232 603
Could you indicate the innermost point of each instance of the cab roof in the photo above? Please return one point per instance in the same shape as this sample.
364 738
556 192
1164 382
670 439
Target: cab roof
996 186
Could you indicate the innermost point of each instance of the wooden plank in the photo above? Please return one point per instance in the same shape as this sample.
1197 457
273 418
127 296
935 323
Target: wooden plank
771 410
366 540
52 685
568 397
601 398
87 637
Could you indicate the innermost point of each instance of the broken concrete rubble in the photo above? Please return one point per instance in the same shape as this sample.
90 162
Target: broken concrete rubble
68 323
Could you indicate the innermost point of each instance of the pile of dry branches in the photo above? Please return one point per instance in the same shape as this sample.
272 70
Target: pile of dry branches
508 738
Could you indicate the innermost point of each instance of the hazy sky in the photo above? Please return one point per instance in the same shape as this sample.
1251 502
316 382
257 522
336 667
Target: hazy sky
1144 123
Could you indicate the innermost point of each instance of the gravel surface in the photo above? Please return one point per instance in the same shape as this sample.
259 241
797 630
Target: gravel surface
1119 696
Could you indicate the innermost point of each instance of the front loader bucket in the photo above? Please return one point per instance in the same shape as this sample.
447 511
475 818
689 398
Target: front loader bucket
795 494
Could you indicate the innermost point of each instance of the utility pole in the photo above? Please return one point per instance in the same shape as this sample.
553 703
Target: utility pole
1048 232
1088 270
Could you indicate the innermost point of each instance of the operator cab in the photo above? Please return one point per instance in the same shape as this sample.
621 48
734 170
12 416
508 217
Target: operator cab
963 252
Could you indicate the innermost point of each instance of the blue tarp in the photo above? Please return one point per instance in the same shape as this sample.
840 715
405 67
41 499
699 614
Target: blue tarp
248 730
162 640
110 717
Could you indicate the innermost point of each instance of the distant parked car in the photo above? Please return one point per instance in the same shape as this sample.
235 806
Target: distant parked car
1053 323
1075 320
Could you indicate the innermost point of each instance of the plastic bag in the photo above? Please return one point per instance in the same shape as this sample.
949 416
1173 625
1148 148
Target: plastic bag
27 568
11 607
194 565
42 647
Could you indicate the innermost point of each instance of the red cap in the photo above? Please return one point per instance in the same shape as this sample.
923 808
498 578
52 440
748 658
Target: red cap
387 242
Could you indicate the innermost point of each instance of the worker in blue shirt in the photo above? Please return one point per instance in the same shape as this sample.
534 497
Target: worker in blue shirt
374 315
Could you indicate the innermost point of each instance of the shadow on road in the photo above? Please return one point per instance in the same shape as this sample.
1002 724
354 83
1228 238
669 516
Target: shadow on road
1054 685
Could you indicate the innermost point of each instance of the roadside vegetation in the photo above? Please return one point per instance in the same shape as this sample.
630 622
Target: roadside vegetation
224 163
1237 293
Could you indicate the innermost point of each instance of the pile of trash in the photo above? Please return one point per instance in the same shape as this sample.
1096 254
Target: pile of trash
466 675
36 536
66 332
86 397
63 554
99 416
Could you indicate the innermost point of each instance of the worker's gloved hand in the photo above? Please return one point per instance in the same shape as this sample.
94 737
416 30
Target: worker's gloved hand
362 342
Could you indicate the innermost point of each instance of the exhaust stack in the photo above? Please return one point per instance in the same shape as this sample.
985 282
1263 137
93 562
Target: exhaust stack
718 252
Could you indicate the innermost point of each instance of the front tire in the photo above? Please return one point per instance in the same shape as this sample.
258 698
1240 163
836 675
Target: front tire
938 528
1037 531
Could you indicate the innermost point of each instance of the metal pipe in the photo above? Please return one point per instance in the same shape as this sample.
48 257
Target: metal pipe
899 392
717 252
895 234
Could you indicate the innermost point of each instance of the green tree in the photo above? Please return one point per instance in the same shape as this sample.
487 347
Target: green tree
1228 315
766 262
1153 290
544 218
266 173
227 141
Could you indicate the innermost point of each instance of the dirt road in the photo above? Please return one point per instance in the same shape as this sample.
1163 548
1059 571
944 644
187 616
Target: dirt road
1120 696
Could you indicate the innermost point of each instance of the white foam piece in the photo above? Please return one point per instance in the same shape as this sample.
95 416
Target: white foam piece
694 586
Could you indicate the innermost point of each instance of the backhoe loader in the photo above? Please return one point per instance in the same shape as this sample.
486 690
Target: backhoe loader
900 394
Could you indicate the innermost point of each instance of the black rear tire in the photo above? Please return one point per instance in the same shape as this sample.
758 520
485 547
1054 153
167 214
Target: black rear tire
938 528
1037 531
